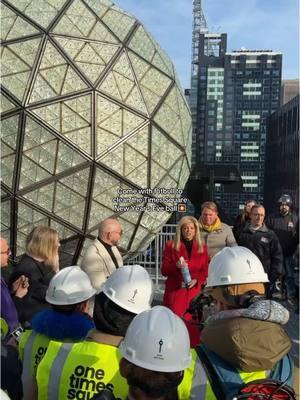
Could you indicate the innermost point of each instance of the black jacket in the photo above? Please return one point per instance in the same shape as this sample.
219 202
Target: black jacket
239 223
285 229
265 245
39 276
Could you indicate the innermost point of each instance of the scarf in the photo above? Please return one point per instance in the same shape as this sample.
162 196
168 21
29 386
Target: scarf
211 228
264 310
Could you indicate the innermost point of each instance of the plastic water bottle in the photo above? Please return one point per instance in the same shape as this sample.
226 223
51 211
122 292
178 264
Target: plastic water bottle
185 271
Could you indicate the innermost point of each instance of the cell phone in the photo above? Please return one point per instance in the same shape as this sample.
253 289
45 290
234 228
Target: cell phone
16 333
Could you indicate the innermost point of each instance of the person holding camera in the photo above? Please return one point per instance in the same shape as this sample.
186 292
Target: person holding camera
10 329
11 300
243 340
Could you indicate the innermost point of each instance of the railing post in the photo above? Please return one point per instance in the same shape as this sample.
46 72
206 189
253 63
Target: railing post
157 258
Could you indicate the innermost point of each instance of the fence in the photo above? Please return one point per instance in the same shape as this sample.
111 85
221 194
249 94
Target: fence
151 258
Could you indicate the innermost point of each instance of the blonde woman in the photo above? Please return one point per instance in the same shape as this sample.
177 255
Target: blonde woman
39 264
187 244
213 232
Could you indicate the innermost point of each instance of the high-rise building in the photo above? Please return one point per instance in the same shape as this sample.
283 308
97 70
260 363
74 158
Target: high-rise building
282 155
289 89
232 94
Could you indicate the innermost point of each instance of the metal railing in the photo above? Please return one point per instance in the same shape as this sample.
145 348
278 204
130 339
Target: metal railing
151 258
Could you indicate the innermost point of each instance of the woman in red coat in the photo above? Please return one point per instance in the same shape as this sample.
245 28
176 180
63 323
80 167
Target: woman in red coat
187 244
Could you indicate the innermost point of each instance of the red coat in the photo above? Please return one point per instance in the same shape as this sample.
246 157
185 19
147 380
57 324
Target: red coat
176 296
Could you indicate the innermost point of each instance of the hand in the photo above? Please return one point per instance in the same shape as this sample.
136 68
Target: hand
179 264
20 286
18 283
192 283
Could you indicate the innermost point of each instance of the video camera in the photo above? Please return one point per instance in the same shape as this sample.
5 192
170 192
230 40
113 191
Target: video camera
200 307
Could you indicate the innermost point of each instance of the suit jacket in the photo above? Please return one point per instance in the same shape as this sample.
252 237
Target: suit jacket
97 263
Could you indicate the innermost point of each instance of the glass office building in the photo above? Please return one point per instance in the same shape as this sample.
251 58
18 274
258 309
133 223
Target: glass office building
231 96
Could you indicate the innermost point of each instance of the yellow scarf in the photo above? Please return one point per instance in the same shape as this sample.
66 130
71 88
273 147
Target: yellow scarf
210 228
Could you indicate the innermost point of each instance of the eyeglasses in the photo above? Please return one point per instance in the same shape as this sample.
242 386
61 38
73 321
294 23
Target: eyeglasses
7 251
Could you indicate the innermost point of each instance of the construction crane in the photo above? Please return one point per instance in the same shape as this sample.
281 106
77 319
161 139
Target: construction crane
199 26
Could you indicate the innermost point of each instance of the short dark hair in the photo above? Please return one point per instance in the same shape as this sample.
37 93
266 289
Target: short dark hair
152 383
109 317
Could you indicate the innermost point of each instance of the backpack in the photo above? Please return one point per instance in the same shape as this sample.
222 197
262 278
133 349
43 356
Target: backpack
228 385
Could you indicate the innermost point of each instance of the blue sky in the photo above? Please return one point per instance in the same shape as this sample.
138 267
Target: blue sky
253 24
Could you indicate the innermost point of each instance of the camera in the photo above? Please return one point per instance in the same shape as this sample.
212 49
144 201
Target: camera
200 307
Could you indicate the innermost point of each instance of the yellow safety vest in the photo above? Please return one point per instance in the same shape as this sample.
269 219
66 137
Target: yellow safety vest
32 348
195 383
4 328
79 371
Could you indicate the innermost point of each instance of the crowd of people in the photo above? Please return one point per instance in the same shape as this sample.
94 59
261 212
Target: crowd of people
90 331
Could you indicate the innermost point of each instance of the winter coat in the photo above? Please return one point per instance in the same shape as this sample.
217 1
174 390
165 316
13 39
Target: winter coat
253 339
39 276
97 263
285 228
8 308
62 326
265 245
217 240
239 223
177 297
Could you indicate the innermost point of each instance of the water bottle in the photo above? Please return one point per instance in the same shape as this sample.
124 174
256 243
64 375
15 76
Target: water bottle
185 272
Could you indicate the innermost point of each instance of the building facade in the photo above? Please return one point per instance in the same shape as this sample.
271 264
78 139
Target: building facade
289 89
282 155
231 97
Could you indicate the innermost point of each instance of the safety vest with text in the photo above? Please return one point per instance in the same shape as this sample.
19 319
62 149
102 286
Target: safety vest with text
197 385
32 348
79 371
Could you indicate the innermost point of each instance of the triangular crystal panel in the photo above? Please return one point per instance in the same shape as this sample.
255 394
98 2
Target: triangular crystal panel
16 63
43 12
113 123
71 118
121 84
13 26
90 57
55 77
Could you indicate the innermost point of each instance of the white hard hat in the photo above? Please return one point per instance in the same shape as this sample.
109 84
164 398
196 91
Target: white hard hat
3 395
130 287
235 265
70 285
157 340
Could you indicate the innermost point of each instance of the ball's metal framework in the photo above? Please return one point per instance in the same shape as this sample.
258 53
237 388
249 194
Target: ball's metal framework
90 107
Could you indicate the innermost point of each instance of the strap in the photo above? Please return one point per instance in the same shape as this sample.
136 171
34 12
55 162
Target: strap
225 380
210 372
283 370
